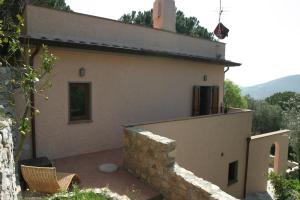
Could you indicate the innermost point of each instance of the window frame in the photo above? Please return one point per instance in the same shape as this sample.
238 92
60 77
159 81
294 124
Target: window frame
236 169
214 105
89 116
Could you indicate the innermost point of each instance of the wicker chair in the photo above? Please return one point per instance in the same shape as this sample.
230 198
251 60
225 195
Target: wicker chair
46 179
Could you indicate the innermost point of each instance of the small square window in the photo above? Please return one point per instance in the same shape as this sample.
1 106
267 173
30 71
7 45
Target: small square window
232 172
79 101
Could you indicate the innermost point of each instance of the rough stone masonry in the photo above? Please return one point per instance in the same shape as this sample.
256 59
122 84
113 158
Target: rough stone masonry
8 187
151 158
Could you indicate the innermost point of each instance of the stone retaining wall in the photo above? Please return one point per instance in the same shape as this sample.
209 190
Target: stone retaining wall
8 188
5 90
152 159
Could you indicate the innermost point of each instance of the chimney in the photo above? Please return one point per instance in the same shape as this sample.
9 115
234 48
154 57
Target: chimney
164 15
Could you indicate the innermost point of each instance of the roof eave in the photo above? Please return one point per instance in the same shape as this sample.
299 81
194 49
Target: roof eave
125 49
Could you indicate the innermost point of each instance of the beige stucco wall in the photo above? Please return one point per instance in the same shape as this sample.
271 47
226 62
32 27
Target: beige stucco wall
52 24
201 141
259 153
125 89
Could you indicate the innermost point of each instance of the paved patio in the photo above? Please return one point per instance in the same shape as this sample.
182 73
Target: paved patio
268 195
121 182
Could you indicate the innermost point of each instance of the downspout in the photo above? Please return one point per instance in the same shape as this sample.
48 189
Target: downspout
226 70
32 110
222 105
246 167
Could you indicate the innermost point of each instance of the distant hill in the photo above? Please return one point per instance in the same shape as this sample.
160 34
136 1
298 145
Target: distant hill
261 91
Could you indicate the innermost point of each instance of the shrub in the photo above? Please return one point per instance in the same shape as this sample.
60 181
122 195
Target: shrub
285 189
78 194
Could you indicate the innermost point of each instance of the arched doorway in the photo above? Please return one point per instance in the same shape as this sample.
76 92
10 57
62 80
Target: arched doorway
274 153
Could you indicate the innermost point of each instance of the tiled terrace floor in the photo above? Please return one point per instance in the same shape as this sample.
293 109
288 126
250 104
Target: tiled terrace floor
121 182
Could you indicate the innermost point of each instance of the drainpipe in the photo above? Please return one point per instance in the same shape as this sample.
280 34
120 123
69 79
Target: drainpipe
32 111
246 167
223 106
226 70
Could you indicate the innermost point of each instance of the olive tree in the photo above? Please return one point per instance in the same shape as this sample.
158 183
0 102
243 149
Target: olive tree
292 120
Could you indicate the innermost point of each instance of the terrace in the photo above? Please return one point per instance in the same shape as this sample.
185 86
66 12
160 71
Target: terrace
120 182
124 183
169 156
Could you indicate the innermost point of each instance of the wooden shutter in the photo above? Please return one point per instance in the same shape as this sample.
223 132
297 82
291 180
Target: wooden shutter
196 101
215 100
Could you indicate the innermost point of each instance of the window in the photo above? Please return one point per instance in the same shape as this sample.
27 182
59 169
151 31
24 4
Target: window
205 100
79 101
232 172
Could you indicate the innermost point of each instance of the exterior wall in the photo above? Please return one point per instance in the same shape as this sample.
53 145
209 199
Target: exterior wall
202 141
152 158
259 153
125 89
8 185
78 27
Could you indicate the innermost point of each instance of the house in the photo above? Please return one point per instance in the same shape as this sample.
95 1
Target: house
110 74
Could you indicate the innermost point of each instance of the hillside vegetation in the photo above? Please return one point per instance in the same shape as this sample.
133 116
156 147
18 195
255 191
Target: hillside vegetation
261 91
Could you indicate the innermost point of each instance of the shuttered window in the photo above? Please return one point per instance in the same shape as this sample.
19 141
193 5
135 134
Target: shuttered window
196 100
215 100
205 100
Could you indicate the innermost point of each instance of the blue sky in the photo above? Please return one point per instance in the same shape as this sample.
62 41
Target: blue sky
264 34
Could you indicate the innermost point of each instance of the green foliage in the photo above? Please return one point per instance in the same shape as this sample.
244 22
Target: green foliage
24 126
285 189
266 117
232 96
27 78
141 18
77 194
282 99
184 25
290 104
57 4
191 26
292 122
9 11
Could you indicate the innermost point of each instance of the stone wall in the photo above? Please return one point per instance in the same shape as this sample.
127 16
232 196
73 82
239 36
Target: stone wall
152 159
8 187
